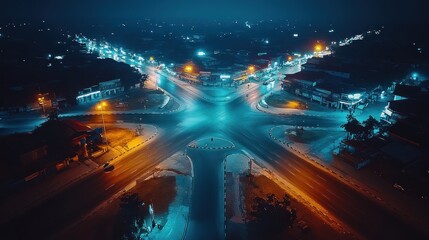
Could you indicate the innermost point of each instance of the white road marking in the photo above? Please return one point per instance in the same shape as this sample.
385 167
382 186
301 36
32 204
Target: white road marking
309 185
109 187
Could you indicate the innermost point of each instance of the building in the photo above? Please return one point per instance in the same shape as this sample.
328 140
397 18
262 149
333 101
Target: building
408 102
326 66
49 148
102 90
111 87
328 90
89 94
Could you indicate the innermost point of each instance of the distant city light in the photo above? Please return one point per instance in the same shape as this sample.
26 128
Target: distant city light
295 35
224 76
414 76
355 96
201 53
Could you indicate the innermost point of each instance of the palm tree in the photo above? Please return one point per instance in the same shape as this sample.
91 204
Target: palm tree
353 127
370 125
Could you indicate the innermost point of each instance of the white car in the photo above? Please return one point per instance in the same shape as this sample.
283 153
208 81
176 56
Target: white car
399 187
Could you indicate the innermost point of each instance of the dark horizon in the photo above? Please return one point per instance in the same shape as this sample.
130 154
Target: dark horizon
334 12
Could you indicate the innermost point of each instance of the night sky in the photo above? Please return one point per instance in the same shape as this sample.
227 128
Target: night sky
362 12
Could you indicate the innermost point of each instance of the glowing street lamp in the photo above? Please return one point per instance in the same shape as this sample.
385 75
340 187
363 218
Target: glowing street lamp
251 69
318 47
42 103
101 107
188 68
151 59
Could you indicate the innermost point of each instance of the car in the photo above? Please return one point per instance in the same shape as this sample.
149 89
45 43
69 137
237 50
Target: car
399 187
107 166
303 226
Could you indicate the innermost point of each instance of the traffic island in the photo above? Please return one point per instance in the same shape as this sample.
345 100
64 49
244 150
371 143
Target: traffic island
211 143
207 213
242 194
141 101
315 141
299 222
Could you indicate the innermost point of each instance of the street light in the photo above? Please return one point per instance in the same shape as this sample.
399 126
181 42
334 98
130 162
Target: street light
101 107
42 102
251 69
188 68
318 47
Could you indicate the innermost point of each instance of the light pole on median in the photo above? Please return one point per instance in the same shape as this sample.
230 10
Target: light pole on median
101 107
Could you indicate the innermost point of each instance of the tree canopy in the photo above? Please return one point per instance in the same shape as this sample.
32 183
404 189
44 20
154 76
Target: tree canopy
271 214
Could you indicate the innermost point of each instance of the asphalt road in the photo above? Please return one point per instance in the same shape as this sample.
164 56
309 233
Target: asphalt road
206 220
236 121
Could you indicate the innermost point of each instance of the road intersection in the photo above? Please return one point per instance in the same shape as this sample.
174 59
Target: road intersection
236 120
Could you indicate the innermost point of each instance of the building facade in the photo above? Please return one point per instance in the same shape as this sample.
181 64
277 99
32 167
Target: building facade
103 90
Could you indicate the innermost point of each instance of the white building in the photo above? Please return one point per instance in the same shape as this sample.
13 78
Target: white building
100 91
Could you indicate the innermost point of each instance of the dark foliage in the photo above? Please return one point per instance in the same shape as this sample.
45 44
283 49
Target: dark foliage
272 215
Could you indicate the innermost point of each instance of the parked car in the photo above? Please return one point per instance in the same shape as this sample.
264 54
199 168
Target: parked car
399 187
108 167
303 226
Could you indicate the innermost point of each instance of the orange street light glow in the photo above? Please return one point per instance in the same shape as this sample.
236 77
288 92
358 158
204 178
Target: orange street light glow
251 68
318 48
101 105
188 68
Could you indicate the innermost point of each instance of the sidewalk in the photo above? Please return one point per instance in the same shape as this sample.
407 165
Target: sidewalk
149 132
34 195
